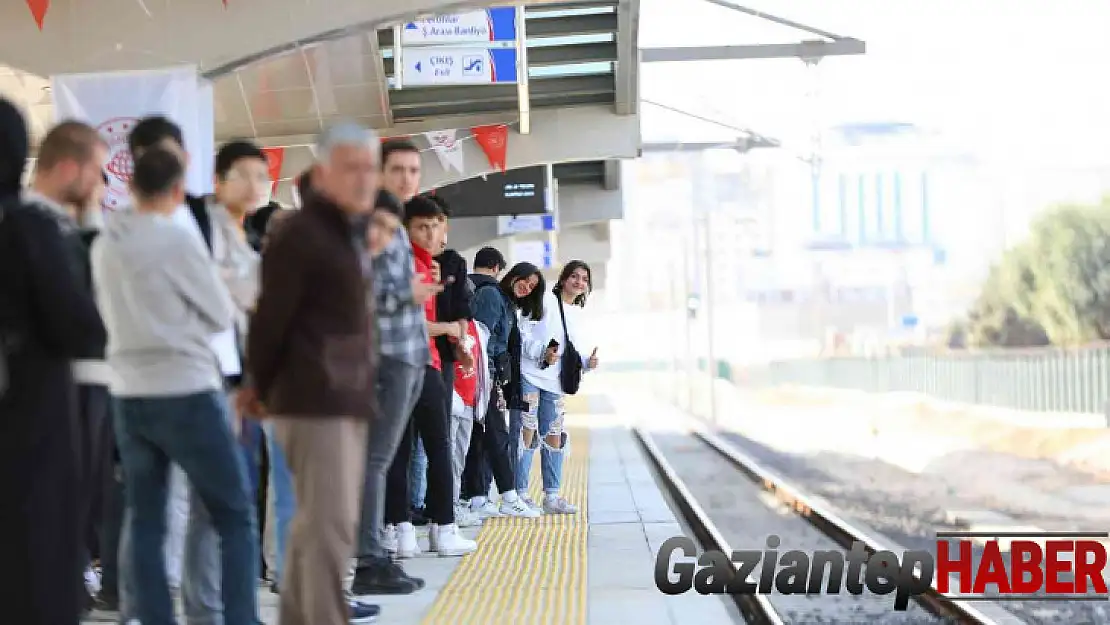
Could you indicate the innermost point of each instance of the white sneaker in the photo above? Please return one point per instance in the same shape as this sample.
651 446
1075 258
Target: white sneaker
465 517
407 547
389 539
519 508
487 510
92 581
558 505
532 503
449 542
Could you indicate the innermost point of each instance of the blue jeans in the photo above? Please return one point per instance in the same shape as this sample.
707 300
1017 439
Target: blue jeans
284 501
250 442
544 418
418 473
193 432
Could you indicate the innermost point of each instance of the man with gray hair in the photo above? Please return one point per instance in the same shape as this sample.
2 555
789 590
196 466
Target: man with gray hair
312 358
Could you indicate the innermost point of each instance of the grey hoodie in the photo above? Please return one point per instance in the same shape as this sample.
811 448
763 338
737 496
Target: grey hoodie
162 299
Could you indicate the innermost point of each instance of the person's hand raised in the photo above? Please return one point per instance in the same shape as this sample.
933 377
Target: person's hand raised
591 363
423 291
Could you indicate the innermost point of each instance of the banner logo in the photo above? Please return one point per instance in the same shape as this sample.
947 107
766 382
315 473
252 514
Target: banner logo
120 165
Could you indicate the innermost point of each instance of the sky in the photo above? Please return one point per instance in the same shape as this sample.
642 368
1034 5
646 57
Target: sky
1017 80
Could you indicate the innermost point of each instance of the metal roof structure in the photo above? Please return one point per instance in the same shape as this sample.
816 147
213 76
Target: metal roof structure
574 55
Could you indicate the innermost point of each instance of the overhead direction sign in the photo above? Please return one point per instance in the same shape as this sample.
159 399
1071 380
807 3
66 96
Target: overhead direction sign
475 27
520 224
434 66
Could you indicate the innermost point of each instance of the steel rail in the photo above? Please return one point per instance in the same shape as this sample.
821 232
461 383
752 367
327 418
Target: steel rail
844 532
755 608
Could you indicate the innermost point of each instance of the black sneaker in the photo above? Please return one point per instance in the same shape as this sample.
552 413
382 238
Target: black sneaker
418 518
384 577
362 613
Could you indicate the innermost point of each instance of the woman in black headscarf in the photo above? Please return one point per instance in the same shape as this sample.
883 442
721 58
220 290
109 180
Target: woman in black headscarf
47 316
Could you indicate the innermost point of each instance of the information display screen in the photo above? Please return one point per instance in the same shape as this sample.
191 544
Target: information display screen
516 192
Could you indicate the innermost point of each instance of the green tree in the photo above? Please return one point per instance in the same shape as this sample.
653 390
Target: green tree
1054 288
998 318
1070 265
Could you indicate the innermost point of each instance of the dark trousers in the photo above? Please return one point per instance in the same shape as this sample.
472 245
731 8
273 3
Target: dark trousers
253 443
430 422
41 535
97 461
448 383
111 515
111 525
488 458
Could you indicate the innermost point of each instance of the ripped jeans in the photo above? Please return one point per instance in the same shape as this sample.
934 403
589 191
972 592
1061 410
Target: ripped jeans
543 420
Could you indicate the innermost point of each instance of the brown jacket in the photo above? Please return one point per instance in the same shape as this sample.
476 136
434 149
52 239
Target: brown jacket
310 349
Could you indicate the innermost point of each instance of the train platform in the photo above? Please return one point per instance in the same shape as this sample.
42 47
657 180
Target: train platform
593 568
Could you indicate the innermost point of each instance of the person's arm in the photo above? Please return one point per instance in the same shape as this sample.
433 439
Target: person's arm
443 328
63 305
197 279
285 269
583 337
487 309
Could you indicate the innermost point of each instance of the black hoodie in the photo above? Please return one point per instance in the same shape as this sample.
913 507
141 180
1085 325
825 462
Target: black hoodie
453 303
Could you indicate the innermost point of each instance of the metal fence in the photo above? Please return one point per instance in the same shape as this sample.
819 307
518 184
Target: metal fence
1050 380
1043 380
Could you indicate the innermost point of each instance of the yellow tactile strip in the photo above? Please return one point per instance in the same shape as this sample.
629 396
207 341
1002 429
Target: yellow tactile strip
526 570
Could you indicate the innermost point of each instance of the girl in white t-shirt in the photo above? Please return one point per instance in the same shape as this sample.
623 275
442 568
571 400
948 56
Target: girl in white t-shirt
542 425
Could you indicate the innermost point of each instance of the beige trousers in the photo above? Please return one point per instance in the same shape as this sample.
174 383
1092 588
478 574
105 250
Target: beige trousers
326 456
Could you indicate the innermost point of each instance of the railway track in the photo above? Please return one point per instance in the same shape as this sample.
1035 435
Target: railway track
757 502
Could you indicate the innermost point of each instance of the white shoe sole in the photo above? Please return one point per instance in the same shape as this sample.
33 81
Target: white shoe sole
456 553
521 515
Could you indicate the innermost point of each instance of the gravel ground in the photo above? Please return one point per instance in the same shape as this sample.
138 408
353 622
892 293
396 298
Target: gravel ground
746 515
910 507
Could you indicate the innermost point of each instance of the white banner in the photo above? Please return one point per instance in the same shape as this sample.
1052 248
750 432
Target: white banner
202 151
114 102
447 147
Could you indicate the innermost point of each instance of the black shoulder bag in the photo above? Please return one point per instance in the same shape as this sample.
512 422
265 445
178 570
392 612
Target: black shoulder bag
570 363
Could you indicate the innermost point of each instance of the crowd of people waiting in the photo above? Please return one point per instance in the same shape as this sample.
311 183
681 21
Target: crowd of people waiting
198 394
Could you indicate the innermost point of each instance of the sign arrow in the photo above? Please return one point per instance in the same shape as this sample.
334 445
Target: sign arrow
410 26
418 66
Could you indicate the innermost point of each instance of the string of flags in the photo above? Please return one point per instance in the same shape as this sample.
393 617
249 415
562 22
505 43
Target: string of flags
448 145
39 9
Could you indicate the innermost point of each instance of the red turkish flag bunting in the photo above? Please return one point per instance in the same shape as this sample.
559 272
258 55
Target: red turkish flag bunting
38 10
274 159
494 141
